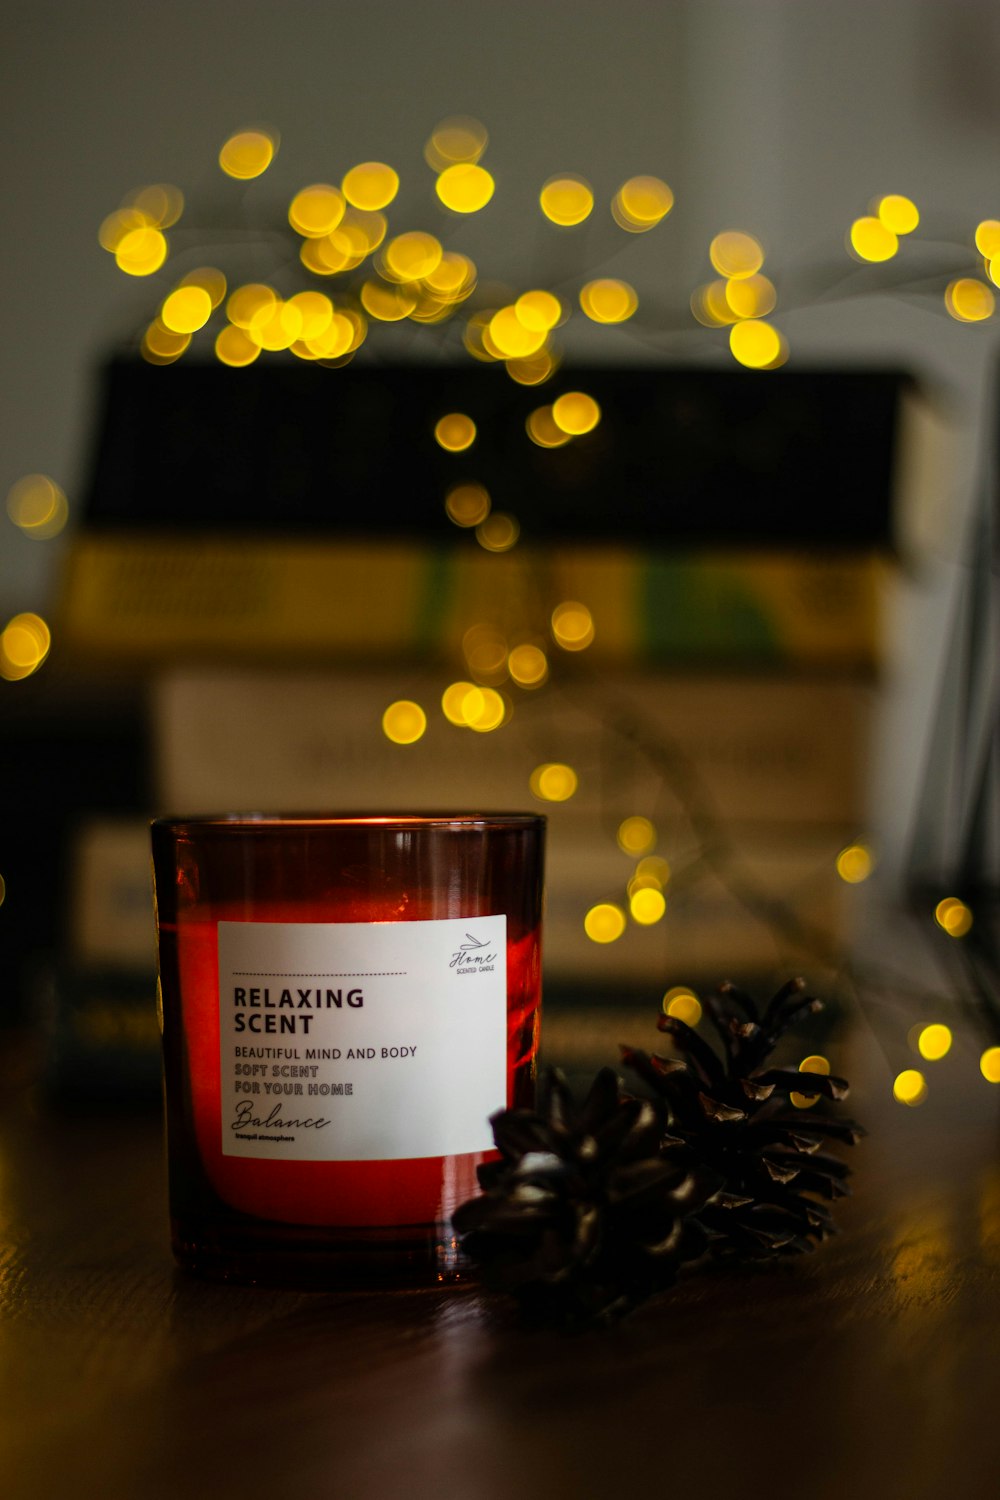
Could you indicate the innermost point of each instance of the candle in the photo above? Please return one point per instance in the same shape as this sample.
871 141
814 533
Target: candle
345 1001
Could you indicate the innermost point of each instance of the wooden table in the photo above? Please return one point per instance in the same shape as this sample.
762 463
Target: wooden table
869 1369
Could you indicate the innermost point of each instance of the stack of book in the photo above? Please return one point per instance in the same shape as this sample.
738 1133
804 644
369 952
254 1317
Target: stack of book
272 550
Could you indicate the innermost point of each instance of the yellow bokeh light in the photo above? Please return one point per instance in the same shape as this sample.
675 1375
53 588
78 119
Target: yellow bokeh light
872 240
453 702
636 835
117 225
186 310
454 277
682 1003
608 300
455 432
528 666
735 254
465 188
210 279
460 138
899 215
316 211
538 310
485 649
604 923
969 300
910 1087
24 645
855 863
988 238
38 506
276 327
989 1065
554 781
934 1041
647 905
566 200
813 1064
161 345
316 311
540 426
370 185
534 370
652 869
484 709
412 256
954 916
404 722
710 304
512 338
576 413
641 203
749 296
141 252
247 302
235 347
247 154
499 532
467 504
572 625
161 202
755 344
388 304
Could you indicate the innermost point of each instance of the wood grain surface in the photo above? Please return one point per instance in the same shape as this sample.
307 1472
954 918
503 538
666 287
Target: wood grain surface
870 1369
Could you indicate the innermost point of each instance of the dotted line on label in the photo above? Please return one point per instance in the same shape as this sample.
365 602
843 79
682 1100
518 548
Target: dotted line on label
346 974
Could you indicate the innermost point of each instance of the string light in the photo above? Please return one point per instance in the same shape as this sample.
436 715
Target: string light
576 413
989 1065
934 1042
954 916
910 1087
404 722
465 188
553 782
855 863
604 923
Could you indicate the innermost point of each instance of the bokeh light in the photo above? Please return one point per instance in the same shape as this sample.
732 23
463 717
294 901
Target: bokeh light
910 1087
608 300
710 304
499 532
534 370
813 1064
756 344
211 280
604 923
247 302
954 916
576 413
460 138
276 327
404 722
161 345
484 709
455 432
528 665
511 337
141 252
24 645
855 863
553 781
538 310
412 256
186 310
652 869
683 1003
38 506
988 238
989 1065
736 254
749 297
899 215
641 203
248 153
636 835
316 210
934 1041
371 185
467 504
647 905
485 650
391 304
161 203
541 427
871 240
969 300
117 225
566 200
465 188
572 625
235 347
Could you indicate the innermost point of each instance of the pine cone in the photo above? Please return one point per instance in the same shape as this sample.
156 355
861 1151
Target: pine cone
584 1215
731 1115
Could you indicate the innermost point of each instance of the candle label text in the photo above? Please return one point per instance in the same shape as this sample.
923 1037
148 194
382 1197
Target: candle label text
352 1041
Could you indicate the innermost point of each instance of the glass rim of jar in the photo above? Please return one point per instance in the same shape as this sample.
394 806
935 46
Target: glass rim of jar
268 822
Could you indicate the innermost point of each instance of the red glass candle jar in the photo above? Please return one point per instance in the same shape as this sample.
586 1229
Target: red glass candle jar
345 1001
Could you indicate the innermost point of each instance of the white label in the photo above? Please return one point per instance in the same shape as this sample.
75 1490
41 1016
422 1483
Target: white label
362 1041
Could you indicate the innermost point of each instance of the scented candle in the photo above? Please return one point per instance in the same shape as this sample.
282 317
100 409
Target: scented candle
345 1001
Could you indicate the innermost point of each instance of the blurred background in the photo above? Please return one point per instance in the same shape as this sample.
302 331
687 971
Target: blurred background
718 611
